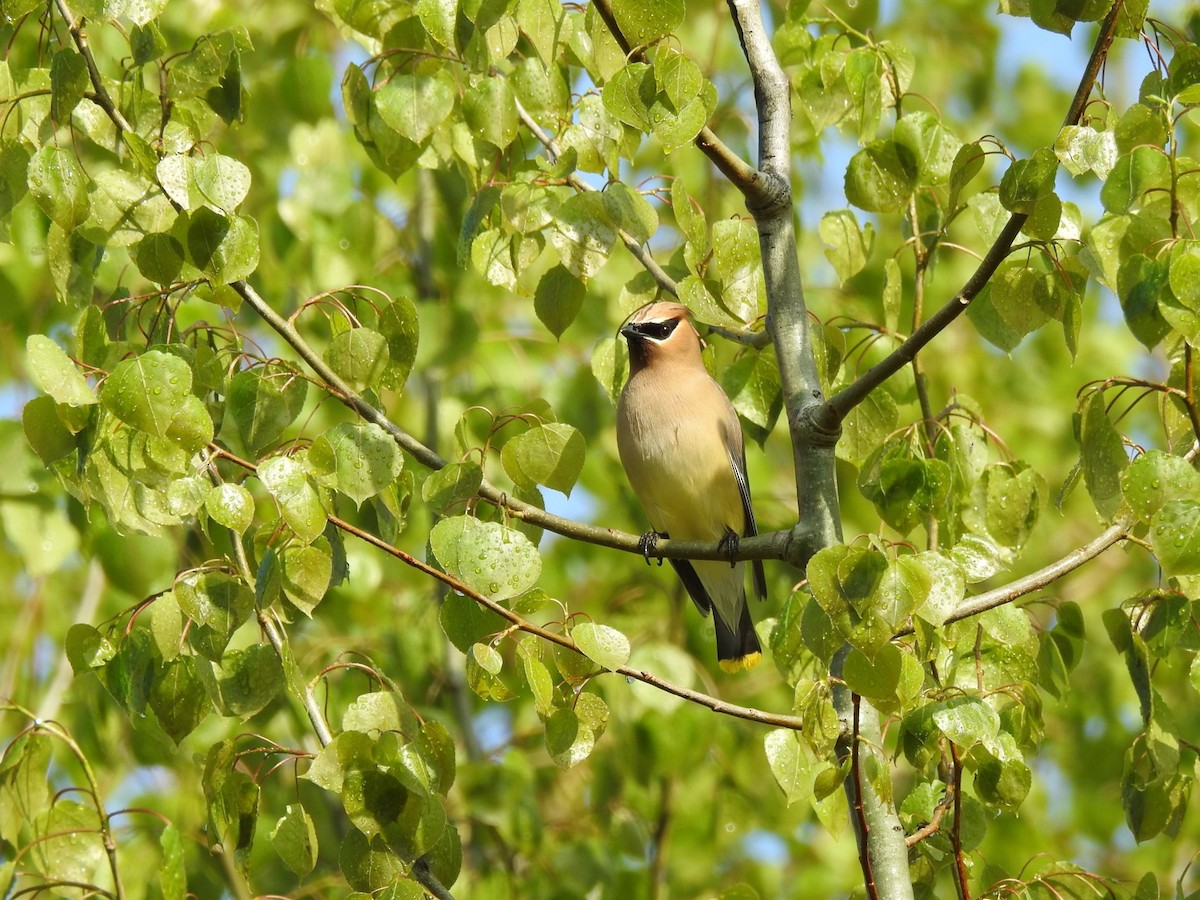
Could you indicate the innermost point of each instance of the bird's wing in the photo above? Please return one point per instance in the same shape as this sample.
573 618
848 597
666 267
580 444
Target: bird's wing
737 462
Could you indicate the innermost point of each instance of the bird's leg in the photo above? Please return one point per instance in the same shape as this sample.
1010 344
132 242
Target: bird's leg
729 545
647 542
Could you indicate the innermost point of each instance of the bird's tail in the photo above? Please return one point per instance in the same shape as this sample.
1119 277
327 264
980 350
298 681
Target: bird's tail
737 650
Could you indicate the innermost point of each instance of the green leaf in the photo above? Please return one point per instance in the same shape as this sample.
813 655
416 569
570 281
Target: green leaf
1082 149
1142 285
1103 457
224 248
87 648
379 712
934 146
54 372
357 460
262 406
68 83
147 391
176 175
1175 536
298 498
295 840
610 366
968 162
1027 181
484 665
752 384
966 721
558 299
244 681
360 356
644 23
217 604
630 211
582 234
50 439
159 257
125 207
71 849
307 573
791 763
231 506
1135 173
1005 503
465 622
415 105
490 112
1154 479
568 739
1024 298
551 454
368 864
24 786
849 247
222 181
602 644
178 698
453 484
398 324
172 874
630 94
876 679
59 186
486 556
867 425
881 177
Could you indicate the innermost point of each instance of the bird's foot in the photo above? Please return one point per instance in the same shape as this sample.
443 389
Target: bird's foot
647 543
729 546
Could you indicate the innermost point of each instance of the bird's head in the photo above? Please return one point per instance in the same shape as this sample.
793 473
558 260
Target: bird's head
661 333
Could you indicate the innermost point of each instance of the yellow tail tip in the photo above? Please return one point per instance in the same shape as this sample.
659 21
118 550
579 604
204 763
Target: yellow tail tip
737 664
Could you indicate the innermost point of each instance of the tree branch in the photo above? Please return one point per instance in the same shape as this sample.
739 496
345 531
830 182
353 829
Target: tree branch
706 700
845 400
714 703
882 850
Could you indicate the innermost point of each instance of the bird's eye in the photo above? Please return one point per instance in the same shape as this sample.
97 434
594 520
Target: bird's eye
660 330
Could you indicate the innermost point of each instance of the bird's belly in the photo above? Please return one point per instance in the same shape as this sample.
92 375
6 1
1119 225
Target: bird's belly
683 479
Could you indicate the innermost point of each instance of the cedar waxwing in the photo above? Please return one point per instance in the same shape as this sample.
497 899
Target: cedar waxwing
681 445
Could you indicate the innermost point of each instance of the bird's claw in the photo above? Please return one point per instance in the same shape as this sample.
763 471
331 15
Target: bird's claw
729 546
647 543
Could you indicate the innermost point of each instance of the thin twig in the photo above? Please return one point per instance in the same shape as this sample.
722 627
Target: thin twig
934 825
864 829
838 406
961 875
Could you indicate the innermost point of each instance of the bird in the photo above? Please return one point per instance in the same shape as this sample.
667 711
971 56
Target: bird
681 445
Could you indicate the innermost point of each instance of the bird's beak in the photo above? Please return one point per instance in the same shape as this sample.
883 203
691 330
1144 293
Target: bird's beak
628 330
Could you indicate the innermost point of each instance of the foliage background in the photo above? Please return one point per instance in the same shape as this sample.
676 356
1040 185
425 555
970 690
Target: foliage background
672 800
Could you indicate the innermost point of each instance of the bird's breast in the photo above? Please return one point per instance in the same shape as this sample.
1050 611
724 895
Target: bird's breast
677 459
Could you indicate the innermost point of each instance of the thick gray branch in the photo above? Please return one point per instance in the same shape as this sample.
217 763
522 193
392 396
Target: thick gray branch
884 855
